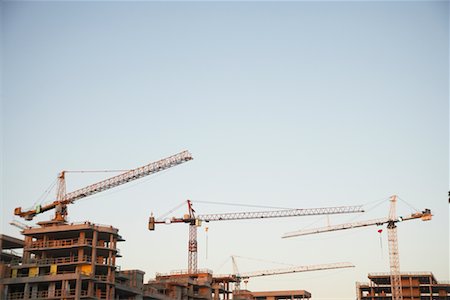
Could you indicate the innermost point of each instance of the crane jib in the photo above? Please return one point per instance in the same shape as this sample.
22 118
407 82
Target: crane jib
67 198
280 213
129 176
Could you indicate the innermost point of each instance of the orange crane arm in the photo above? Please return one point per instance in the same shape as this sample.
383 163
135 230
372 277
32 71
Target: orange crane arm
107 184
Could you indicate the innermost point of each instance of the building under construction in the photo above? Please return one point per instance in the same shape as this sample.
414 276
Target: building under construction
68 261
78 261
415 286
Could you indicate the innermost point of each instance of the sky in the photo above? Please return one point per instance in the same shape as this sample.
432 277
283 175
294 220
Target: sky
282 104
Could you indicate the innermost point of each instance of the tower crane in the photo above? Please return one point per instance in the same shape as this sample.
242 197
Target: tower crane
294 269
196 221
391 221
63 198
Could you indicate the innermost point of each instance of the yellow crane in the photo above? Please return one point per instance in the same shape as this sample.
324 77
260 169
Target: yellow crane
63 198
195 221
391 221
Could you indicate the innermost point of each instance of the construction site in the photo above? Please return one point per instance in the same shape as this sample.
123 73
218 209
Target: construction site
57 259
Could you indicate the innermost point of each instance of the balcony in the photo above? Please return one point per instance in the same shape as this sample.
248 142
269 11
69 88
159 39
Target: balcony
45 295
58 260
59 243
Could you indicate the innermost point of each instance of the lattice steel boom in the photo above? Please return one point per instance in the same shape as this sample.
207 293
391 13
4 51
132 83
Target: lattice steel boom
64 198
296 269
195 221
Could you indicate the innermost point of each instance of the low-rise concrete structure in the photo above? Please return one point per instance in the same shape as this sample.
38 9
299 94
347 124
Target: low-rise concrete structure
272 295
415 286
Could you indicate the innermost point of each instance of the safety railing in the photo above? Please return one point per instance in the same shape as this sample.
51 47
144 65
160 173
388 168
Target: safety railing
183 272
16 295
43 274
60 243
58 260
403 274
102 277
101 294
45 294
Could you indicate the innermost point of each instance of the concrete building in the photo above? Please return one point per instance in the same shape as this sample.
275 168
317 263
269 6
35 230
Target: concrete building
69 261
78 261
415 286
204 286
184 286
272 295
9 253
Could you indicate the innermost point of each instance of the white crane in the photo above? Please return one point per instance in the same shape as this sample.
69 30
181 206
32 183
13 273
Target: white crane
195 221
391 220
294 269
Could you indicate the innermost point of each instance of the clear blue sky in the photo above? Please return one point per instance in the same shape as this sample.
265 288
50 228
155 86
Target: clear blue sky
292 104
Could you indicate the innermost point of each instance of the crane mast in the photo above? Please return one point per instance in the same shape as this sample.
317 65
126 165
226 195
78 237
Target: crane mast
391 220
195 221
63 198
394 257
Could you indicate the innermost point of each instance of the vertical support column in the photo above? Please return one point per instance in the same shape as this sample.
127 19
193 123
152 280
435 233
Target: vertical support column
63 288
90 288
82 237
92 285
26 291
34 291
26 253
112 262
45 240
216 291
78 287
51 289
227 289
109 274
112 292
4 293
80 254
94 251
358 291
